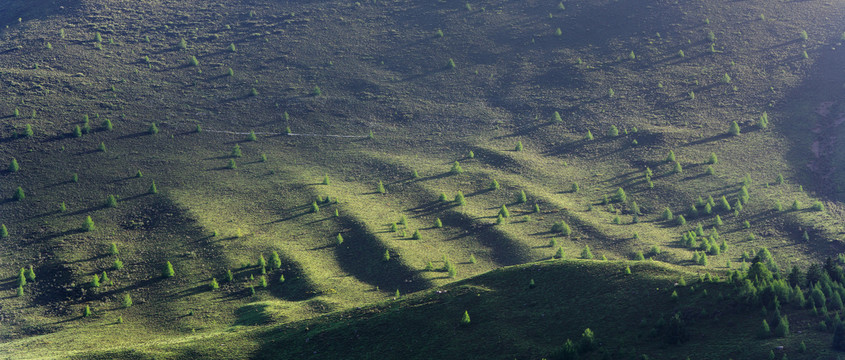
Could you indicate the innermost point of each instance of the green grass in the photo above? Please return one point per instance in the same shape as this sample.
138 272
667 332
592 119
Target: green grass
389 78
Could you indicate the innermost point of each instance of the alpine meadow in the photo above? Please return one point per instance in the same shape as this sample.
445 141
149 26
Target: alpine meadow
422 179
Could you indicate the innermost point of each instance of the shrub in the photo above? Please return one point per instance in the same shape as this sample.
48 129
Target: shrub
74 178
818 206
88 224
456 168
586 253
726 78
613 131
734 129
803 35
167 270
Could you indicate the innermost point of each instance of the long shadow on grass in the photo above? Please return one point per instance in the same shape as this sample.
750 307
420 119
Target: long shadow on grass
361 255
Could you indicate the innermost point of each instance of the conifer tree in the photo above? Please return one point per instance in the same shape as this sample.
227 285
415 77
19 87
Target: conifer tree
678 168
438 223
107 125
589 136
561 227
575 188
613 131
20 291
22 277
105 279
778 205
556 117
236 151
796 205
27 132
326 180
456 168
111 201
167 271
465 319
87 311
117 264
339 239
95 281
734 130
251 136
620 196
518 146
77 131
416 235
627 270
30 274
4 232
229 276
88 225
13 165
472 259
504 212
19 194
232 164
101 147
559 254
713 160
314 207
521 197
765 331
680 220
276 261
263 282
380 188
153 189
586 253
386 256
667 215
459 199
153 129
670 157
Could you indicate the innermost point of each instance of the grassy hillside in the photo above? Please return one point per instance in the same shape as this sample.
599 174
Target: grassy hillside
396 93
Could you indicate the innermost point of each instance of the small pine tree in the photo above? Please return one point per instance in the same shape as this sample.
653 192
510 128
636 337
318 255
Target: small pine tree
575 188
111 201
713 160
88 225
314 207
339 239
77 131
27 132
734 129
95 281
521 197
670 157
380 188
263 282
167 271
472 259
386 256
589 136
764 121
13 165
678 168
19 194
778 205
117 264
153 129
518 146
251 136
561 227
765 331
620 196
613 131
556 117
30 274
20 291
107 125
229 276
275 260
87 311
504 212
153 189
459 199
456 168
680 220
627 270
586 253
465 319
4 232
559 254
667 215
